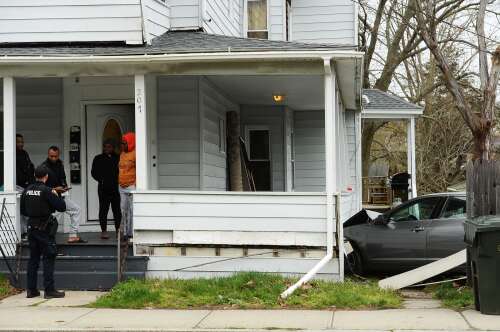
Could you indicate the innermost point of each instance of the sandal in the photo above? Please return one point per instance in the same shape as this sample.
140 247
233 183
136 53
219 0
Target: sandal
76 239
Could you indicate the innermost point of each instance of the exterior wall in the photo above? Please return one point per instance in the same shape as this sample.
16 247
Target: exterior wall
324 21
178 133
309 139
223 17
271 117
39 114
277 22
185 14
70 21
156 17
213 107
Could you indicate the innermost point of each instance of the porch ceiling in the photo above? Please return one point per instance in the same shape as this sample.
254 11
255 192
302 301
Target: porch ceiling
301 92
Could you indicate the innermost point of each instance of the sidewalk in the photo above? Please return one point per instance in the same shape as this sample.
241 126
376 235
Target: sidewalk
20 314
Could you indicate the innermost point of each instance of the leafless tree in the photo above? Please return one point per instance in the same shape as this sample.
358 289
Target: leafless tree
480 120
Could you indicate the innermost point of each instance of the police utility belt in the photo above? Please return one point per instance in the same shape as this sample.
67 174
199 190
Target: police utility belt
48 225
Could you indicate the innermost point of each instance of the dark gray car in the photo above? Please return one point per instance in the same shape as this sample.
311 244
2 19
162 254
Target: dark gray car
410 235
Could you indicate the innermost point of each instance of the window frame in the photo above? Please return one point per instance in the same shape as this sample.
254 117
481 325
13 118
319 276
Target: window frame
245 20
445 205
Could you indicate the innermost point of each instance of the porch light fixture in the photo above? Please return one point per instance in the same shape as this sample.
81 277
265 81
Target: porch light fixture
278 98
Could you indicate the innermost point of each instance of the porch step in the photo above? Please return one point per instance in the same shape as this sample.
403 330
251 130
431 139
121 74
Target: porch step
83 272
83 249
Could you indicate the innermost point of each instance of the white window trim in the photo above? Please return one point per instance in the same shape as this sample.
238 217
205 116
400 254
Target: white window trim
245 19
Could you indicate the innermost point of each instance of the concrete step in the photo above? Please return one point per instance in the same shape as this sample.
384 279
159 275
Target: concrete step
78 280
83 249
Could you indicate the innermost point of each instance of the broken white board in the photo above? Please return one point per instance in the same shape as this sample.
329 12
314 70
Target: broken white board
424 272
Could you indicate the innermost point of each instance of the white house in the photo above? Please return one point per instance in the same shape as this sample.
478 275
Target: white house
171 70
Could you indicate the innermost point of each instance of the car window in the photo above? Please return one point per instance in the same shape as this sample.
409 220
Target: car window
455 208
418 210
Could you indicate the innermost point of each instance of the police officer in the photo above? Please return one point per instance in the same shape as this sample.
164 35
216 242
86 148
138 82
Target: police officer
38 202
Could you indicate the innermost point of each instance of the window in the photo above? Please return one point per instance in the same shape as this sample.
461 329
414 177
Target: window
257 19
419 210
259 145
455 208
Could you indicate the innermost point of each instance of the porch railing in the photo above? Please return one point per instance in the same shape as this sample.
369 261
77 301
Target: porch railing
10 247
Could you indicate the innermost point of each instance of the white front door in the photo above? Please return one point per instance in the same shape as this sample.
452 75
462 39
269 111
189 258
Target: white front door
103 122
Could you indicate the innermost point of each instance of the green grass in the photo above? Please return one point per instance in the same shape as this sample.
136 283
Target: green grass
5 288
457 298
246 291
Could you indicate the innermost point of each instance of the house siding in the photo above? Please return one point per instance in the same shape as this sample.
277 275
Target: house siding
185 14
324 21
214 106
309 139
156 16
178 133
225 17
271 117
70 21
39 114
277 20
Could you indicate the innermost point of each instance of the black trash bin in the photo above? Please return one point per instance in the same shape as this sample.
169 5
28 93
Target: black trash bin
482 236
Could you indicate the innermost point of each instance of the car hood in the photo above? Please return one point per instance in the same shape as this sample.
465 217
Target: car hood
362 217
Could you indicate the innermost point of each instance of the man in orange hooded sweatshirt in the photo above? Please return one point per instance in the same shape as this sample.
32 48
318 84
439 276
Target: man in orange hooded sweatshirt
126 180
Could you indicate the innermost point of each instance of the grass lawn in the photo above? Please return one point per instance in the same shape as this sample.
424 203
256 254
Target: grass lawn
5 288
458 298
246 291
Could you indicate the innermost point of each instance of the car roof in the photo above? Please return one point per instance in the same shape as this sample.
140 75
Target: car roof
445 194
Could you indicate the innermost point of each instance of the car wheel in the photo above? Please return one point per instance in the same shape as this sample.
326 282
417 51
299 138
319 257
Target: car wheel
355 262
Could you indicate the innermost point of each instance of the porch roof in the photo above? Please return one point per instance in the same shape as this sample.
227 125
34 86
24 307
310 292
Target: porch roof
378 104
173 42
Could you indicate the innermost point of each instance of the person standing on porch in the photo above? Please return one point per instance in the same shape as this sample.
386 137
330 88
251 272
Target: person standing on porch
126 179
57 181
25 174
105 172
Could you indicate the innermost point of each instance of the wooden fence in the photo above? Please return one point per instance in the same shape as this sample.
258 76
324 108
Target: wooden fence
483 188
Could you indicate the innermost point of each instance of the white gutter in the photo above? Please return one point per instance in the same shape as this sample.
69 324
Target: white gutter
188 57
330 109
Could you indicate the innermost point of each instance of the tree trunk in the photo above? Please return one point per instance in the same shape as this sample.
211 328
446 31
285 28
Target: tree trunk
369 130
234 153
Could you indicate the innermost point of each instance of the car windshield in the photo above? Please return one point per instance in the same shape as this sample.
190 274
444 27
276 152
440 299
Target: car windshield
419 210
455 208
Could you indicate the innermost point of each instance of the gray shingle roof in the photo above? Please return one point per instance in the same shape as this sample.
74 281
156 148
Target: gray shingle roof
376 100
170 42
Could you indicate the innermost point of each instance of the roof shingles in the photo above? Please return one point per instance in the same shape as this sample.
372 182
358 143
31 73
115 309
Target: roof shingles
382 100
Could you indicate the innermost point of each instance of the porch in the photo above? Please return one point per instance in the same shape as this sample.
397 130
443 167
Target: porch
185 216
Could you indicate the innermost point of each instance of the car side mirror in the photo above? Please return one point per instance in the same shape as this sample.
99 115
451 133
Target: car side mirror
380 220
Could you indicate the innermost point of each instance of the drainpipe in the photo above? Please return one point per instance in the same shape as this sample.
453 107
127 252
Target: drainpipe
332 207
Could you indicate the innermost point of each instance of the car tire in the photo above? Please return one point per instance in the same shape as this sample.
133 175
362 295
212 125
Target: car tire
354 262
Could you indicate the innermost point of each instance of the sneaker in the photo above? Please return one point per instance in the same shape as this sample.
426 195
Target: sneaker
76 239
53 294
32 293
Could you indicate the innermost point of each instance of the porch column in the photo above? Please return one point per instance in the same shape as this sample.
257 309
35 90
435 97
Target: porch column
141 135
288 125
9 133
412 166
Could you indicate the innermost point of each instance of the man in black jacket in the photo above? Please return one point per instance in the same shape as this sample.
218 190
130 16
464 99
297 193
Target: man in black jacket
38 202
57 181
105 172
25 171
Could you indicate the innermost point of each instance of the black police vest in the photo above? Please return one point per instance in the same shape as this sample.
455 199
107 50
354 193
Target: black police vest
36 203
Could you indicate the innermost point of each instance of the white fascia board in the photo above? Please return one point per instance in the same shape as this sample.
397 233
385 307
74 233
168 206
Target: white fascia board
391 114
188 57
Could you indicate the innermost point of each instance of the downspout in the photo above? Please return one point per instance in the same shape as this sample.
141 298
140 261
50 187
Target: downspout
331 214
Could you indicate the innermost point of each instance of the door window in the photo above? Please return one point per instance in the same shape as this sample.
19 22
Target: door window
419 210
455 208
257 19
113 131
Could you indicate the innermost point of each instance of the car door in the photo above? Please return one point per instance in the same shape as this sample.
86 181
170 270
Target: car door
400 244
446 233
